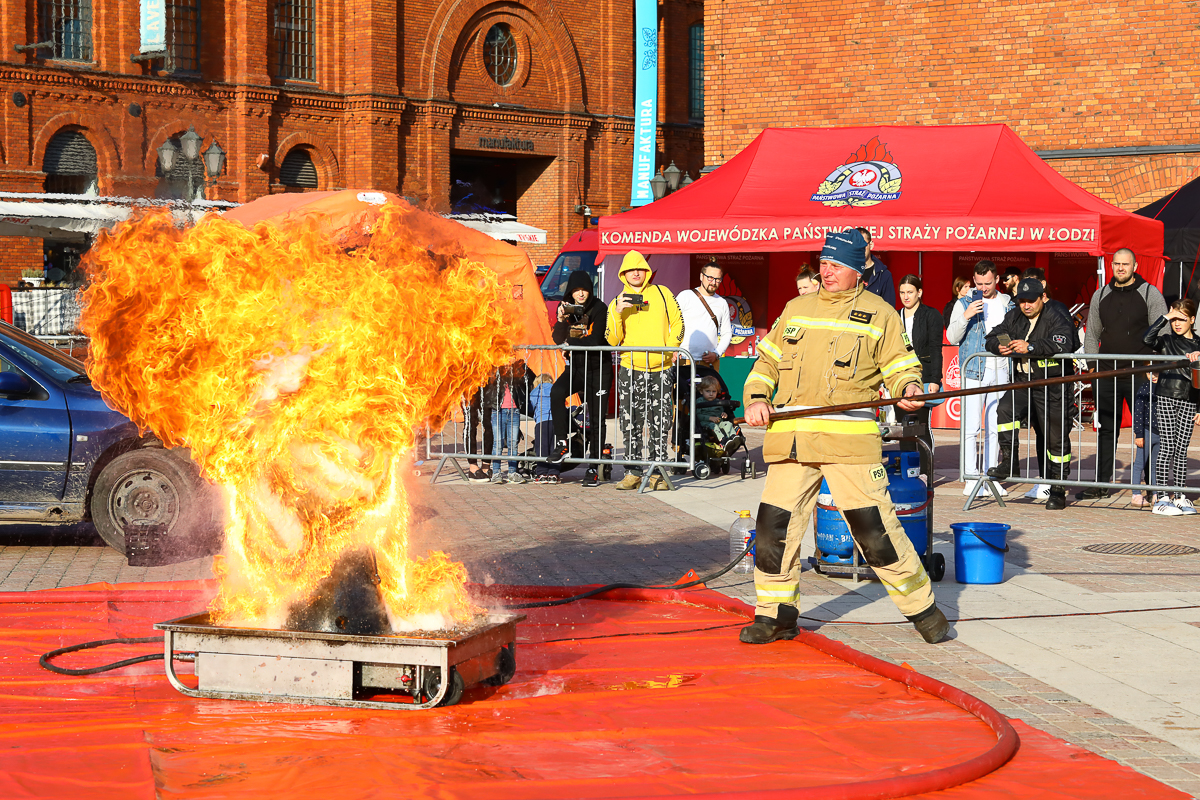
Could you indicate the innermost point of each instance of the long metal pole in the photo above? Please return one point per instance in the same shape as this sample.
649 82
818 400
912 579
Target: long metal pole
1003 387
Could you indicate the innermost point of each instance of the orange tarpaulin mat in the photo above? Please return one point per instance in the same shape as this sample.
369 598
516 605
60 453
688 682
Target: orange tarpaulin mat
638 697
350 214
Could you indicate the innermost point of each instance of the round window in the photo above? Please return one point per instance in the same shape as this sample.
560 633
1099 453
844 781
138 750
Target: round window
500 54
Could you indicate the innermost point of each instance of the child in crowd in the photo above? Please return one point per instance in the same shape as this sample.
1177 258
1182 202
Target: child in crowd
714 417
543 429
1146 439
1174 404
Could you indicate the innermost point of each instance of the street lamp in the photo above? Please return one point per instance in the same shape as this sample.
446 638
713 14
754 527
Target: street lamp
669 180
672 174
187 157
658 186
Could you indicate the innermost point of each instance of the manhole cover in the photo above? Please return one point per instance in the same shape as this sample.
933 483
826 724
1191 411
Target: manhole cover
1141 549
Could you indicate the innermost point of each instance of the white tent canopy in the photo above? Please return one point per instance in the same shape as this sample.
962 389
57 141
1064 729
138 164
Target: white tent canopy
502 226
58 220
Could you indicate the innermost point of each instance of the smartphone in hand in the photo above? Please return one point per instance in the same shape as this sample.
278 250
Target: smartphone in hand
1004 339
976 294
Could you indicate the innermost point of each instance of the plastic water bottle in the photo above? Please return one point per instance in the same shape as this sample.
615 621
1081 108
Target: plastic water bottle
740 533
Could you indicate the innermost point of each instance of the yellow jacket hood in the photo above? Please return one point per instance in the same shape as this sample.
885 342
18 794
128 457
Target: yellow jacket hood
635 260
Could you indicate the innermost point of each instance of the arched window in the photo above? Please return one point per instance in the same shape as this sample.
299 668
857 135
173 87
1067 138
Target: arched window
298 169
70 164
696 72
500 54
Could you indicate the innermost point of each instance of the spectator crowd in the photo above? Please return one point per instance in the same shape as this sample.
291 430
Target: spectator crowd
1006 327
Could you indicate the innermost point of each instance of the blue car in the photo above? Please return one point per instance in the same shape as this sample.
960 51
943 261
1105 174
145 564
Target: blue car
65 456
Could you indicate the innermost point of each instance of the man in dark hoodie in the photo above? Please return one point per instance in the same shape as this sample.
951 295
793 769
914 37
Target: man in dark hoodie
1118 316
581 323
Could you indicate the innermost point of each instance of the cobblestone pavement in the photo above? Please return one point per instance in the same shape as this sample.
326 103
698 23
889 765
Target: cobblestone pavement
569 535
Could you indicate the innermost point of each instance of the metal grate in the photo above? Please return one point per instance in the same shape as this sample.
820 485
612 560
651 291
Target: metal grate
183 36
295 40
1142 549
66 27
298 169
696 72
500 54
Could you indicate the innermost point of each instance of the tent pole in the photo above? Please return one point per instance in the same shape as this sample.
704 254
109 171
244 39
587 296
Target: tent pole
1100 272
920 267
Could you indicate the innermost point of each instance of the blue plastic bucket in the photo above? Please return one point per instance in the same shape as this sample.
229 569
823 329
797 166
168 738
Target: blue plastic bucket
979 549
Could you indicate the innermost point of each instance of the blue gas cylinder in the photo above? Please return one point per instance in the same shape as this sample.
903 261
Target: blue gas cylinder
834 543
908 494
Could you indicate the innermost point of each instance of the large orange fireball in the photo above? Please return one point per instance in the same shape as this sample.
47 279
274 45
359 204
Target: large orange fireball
297 373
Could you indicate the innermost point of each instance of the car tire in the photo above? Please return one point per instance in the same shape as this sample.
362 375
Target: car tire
153 485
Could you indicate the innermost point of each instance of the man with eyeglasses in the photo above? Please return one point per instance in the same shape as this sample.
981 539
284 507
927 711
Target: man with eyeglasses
706 328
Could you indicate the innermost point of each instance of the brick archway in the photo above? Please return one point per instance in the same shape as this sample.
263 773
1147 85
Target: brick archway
329 171
1143 183
108 155
459 18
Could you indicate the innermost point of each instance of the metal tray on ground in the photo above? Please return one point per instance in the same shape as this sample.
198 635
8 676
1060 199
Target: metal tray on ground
334 669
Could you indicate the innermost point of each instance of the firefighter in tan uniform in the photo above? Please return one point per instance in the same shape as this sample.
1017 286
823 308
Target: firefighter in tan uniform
833 347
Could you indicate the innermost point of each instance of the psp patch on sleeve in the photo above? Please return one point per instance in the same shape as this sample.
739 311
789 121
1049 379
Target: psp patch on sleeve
858 315
878 473
792 332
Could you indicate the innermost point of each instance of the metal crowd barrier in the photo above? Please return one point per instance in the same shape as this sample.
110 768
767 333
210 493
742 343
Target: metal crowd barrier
460 438
1085 437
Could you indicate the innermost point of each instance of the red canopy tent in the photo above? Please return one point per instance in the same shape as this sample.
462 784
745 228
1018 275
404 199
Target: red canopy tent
935 198
948 187
918 188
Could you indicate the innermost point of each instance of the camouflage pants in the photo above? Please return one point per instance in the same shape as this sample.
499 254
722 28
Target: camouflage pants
646 400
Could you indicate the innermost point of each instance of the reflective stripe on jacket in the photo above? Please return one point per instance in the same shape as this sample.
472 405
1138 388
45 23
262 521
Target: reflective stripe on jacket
828 349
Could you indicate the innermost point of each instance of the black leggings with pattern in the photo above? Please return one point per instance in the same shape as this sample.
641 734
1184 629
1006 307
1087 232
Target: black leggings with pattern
1174 419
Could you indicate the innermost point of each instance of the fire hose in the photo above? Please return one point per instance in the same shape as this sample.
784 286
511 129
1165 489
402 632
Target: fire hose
1001 387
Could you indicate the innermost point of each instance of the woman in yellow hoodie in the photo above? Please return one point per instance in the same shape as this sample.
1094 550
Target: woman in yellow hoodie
644 315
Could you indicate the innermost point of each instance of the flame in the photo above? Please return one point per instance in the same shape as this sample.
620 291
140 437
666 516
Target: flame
297 373
873 150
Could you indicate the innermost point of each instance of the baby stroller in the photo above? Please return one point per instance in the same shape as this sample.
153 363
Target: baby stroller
713 455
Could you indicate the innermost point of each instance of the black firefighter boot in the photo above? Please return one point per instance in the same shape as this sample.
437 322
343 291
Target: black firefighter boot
1005 469
765 630
931 624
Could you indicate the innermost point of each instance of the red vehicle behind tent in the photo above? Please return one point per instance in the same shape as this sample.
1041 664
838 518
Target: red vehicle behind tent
578 253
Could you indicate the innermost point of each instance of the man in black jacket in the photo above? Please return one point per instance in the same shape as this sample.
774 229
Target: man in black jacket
1030 333
582 319
1118 316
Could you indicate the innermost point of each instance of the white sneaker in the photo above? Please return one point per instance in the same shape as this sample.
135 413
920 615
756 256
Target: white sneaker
1167 508
1184 505
984 492
1039 492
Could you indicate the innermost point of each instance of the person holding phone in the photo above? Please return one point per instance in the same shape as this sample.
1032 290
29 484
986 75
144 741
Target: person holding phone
1030 334
972 319
582 321
644 315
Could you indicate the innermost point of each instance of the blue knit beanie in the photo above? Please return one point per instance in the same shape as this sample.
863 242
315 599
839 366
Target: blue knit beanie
847 248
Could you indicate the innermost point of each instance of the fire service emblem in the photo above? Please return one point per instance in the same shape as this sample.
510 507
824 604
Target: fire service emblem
868 177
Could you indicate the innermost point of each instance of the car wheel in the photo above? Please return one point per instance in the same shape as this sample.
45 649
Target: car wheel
152 486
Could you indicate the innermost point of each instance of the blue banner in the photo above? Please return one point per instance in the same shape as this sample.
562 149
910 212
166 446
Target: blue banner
645 99
154 25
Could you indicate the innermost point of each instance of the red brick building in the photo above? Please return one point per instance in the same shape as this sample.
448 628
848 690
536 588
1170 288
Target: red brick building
1106 92
526 106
